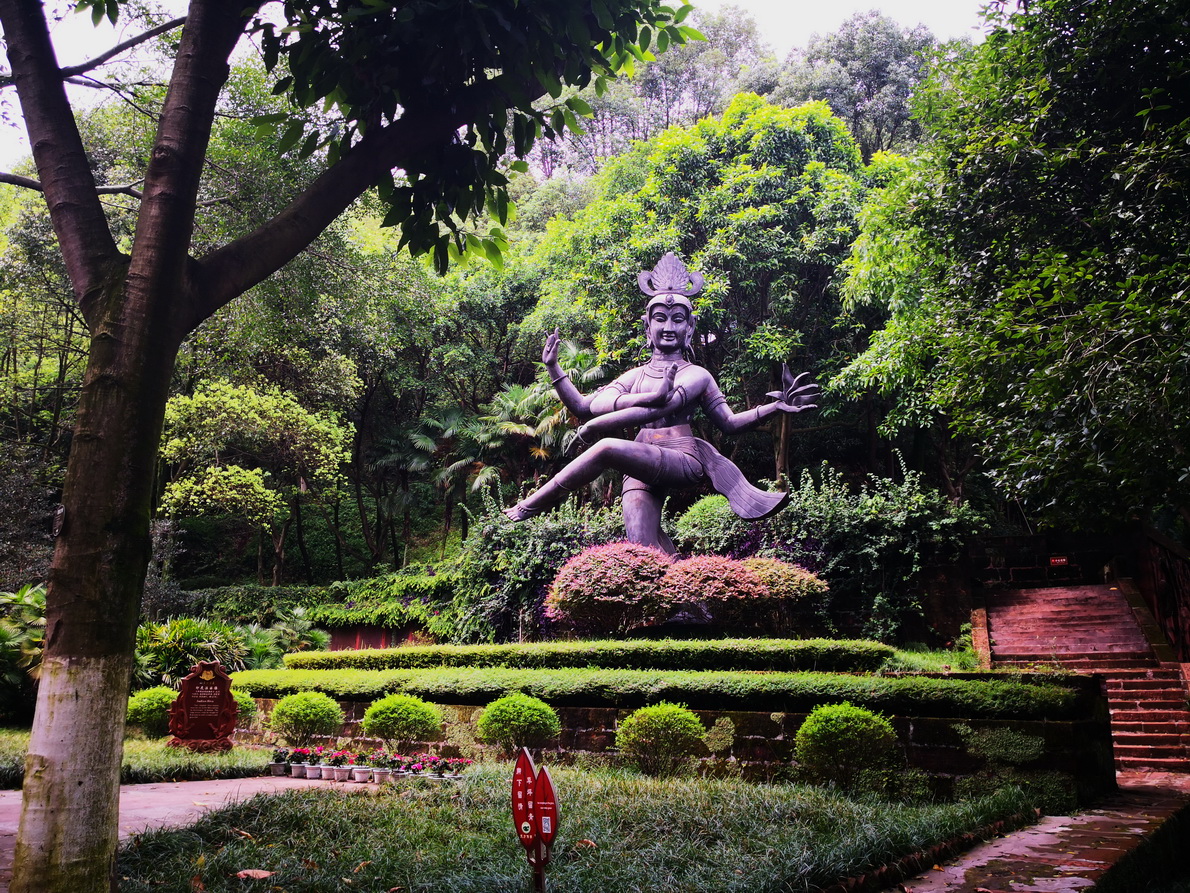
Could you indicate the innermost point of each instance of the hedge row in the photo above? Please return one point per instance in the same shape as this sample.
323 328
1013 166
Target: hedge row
773 692
721 654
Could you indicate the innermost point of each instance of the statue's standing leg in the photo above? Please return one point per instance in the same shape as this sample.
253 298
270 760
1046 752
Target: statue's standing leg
642 519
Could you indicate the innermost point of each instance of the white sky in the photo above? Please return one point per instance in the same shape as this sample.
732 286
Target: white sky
784 24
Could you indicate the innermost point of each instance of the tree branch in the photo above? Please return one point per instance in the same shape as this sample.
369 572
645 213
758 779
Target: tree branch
239 265
83 67
66 179
30 183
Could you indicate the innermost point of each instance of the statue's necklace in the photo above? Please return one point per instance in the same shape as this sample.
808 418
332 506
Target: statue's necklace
656 369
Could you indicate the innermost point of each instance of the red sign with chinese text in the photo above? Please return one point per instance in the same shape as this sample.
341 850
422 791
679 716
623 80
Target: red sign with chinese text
547 808
524 802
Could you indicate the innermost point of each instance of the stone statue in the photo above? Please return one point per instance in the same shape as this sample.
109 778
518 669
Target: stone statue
660 398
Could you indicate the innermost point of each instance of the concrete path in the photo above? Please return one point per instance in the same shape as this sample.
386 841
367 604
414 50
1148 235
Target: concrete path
1063 854
1060 854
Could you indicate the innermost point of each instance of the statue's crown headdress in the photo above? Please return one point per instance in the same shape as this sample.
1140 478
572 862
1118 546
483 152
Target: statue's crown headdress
669 282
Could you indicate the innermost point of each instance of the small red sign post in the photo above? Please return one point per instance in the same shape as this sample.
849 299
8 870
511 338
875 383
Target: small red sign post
535 814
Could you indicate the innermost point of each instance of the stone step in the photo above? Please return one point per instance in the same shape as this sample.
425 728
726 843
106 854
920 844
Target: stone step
1148 716
1139 727
1171 682
1159 751
1168 764
1093 661
1148 739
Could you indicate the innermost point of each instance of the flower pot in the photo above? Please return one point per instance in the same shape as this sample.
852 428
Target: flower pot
380 776
297 770
313 771
342 773
361 774
278 768
328 771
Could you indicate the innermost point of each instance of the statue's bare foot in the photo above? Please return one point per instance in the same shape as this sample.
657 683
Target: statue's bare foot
516 513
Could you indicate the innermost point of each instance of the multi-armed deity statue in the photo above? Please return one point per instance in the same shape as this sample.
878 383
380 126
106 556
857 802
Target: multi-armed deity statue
660 398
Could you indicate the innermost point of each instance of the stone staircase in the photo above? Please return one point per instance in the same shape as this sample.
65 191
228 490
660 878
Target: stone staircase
1094 629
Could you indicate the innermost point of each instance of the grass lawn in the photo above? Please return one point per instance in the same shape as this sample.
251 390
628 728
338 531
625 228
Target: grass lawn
620 832
146 761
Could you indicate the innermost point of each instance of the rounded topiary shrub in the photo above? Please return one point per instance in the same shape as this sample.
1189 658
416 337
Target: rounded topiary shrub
400 720
849 747
722 587
518 720
245 708
299 717
149 709
659 740
794 597
611 588
708 525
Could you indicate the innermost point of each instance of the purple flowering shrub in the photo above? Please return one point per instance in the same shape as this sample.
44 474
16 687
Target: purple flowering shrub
611 588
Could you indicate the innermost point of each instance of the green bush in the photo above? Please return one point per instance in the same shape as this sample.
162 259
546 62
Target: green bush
401 720
298 718
849 747
415 595
505 567
149 709
1063 697
518 720
841 655
705 526
611 588
245 708
794 598
659 740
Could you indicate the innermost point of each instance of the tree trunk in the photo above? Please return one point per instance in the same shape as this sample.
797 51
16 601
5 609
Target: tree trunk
69 812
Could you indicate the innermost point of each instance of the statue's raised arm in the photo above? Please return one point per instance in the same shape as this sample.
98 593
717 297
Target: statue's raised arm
660 398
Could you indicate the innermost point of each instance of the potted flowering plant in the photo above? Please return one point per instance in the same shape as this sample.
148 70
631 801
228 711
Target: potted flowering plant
415 765
297 761
314 762
280 762
457 765
361 770
381 766
340 762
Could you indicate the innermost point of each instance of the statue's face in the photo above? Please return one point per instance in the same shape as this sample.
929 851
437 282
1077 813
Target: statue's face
669 327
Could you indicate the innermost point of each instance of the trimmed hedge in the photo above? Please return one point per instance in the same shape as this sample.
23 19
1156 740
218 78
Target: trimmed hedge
947 696
788 655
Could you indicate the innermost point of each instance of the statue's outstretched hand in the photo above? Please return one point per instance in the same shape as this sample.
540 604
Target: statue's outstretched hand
549 353
795 396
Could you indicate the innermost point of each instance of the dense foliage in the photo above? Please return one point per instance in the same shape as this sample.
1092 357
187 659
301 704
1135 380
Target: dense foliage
869 543
610 589
401 720
1036 263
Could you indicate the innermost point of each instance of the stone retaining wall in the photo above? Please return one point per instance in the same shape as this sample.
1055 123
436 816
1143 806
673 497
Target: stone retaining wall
760 745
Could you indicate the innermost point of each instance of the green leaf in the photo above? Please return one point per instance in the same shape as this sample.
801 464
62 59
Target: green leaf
580 106
290 137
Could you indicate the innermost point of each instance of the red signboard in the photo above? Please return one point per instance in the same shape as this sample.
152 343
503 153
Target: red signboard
524 802
1059 561
547 808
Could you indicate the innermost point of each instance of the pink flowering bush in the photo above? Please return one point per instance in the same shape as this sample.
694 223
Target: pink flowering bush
794 597
720 587
611 588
